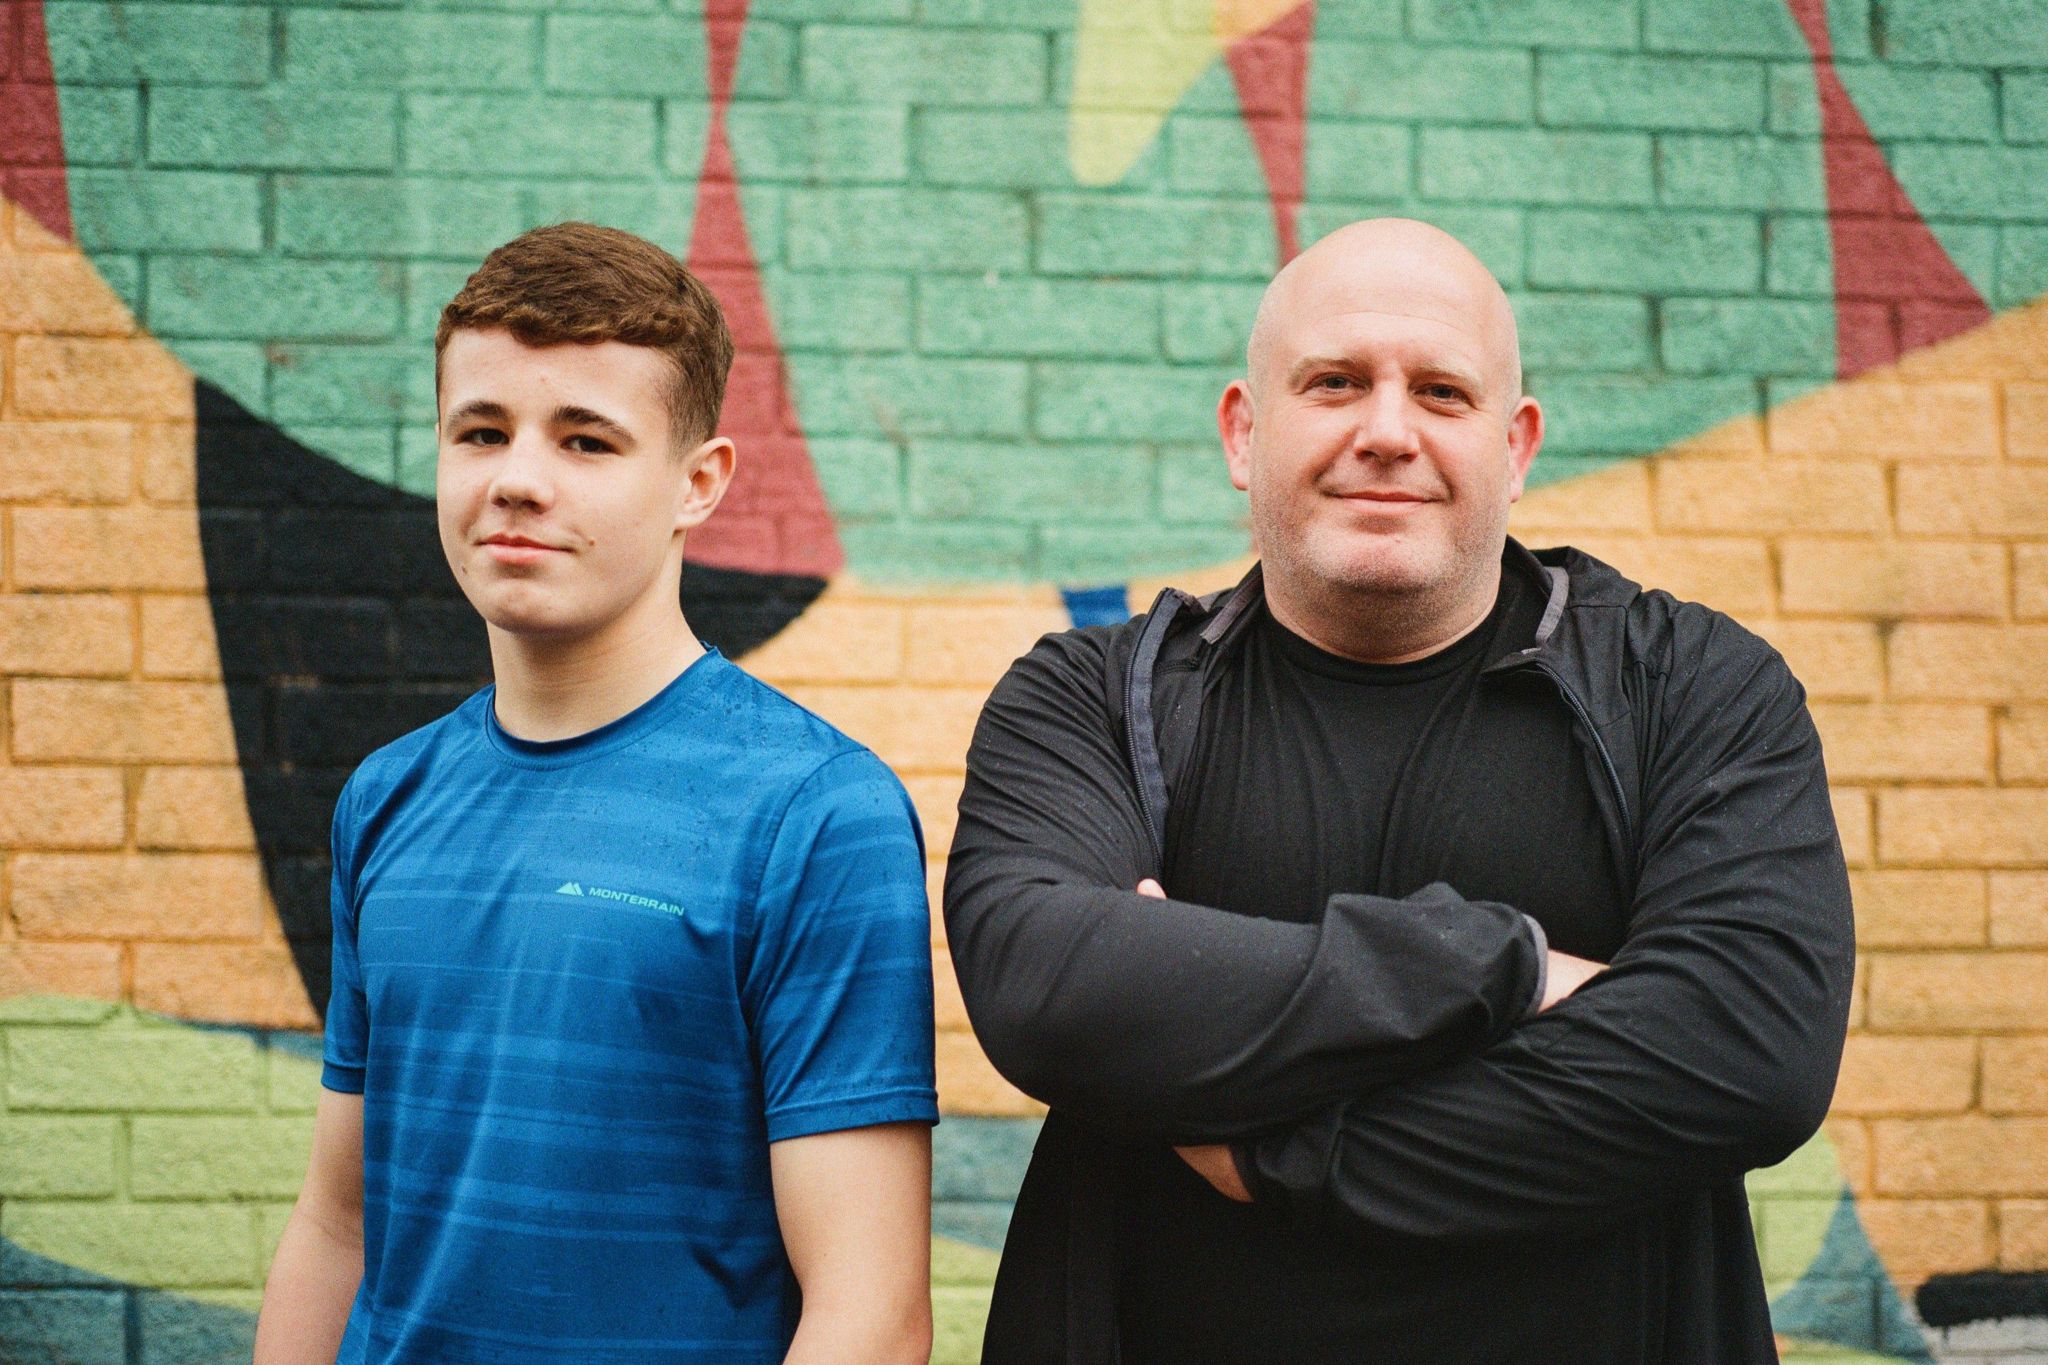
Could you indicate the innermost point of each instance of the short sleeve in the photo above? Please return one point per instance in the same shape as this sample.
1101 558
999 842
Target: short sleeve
838 989
348 1019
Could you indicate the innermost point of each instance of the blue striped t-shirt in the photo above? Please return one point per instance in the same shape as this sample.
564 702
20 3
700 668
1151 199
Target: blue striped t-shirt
582 985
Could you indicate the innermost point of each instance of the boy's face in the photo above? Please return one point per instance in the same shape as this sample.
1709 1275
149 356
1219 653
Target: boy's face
562 502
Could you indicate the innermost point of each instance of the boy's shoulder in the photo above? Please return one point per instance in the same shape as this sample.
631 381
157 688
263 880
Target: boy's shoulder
784 742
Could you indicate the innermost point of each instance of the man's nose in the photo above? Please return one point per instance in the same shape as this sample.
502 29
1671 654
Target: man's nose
1386 425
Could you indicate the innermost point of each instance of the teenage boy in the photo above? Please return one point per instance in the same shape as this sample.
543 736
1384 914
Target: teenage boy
629 1054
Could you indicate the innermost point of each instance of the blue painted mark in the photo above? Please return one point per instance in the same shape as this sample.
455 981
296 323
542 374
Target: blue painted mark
1845 1298
1105 606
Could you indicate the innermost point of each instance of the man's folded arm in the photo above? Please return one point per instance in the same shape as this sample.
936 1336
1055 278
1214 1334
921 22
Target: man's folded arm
1170 1019
1709 1047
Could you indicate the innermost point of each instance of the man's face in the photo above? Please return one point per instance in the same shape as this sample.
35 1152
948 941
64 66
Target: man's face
1382 435
561 501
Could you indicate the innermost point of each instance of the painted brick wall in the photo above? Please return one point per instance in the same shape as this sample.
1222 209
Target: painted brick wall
1780 267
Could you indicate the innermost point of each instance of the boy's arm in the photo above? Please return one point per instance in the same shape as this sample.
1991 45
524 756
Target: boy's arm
319 1261
855 1209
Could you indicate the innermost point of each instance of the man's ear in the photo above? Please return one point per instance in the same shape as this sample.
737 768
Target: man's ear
1525 438
708 473
1234 424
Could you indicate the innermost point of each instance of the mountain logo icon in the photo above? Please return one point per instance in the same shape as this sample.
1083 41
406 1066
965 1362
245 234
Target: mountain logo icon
568 889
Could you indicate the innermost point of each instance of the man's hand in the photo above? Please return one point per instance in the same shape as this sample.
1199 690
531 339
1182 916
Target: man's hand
1567 974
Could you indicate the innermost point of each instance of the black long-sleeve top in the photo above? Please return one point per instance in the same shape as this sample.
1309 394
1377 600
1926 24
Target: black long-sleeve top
1371 1064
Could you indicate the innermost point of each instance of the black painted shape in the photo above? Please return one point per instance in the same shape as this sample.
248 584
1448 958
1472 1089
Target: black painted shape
341 629
1982 1296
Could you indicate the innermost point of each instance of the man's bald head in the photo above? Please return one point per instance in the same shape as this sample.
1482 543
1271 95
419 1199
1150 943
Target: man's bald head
1392 265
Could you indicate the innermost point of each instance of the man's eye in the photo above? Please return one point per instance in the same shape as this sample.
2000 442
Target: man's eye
1445 393
1333 382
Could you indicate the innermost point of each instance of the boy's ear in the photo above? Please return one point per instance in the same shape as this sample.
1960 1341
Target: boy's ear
707 473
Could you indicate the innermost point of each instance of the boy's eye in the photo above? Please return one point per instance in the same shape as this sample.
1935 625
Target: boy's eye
589 445
483 436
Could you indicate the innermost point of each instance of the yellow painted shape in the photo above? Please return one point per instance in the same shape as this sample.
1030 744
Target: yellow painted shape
1134 61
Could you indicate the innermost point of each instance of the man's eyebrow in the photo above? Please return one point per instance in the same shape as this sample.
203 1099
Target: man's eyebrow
1303 367
1431 369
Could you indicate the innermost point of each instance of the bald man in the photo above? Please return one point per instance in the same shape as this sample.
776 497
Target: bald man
1292 903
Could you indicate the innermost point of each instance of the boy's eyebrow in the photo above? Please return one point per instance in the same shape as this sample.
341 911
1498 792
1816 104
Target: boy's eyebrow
568 415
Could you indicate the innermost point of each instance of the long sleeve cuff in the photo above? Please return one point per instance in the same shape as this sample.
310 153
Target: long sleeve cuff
1542 941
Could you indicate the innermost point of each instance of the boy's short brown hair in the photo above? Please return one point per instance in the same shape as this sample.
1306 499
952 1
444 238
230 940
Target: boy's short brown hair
581 283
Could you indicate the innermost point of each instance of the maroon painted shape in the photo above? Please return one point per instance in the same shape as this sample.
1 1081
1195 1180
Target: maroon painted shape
31 128
1895 286
1270 69
774 519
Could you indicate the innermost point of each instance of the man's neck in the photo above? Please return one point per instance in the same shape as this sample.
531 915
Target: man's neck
1374 629
549 687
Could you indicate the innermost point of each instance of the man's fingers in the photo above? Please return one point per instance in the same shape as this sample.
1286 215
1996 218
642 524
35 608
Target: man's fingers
1215 1164
1151 887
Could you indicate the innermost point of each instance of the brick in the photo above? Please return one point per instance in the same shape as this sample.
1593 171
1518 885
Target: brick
1892 578
912 729
1964 32
102 125
1965 1155
215 1158
1536 166
359 215
858 65
833 642
57 1157
162 722
272 299
1855 823
94 44
360 384
127 547
169 1245
1634 90
1763 28
1737 172
1832 659
1895 101
861 477
1976 181
45 807
1015 148
294 1078
383 49
1518 23
1217 156
178 639
1667 252
1771 496
256 984
1062 319
1561 333
1098 554
2023 745
1194 489
2030 582
1865 741
2016 1075
98 377
2022 1234
948 551
1919 909
1996 828
808 145
1985 500
1615 498
88 1326
906 229
59 293
186 809
859 395
1959 991
2022 266
1729 574
1923 1237
968 1084
1057 484
1095 401
1851 1140
974 644
119 1069
1211 322
2019 909
1379 80
1969 662
2026 421
529 135
937 799
66 461
279 128
66 635
85 971
1749 336
151 895
1890 1076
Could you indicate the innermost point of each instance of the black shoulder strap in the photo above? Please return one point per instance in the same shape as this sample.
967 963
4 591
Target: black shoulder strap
1139 732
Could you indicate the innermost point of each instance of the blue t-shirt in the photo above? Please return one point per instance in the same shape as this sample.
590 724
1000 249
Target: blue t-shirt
582 985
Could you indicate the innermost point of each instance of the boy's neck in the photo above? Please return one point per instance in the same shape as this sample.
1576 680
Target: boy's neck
552 688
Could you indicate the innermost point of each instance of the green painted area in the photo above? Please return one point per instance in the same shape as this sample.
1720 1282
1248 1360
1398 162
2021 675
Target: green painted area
306 183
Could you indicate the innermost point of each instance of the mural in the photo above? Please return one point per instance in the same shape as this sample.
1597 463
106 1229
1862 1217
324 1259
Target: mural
1780 266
